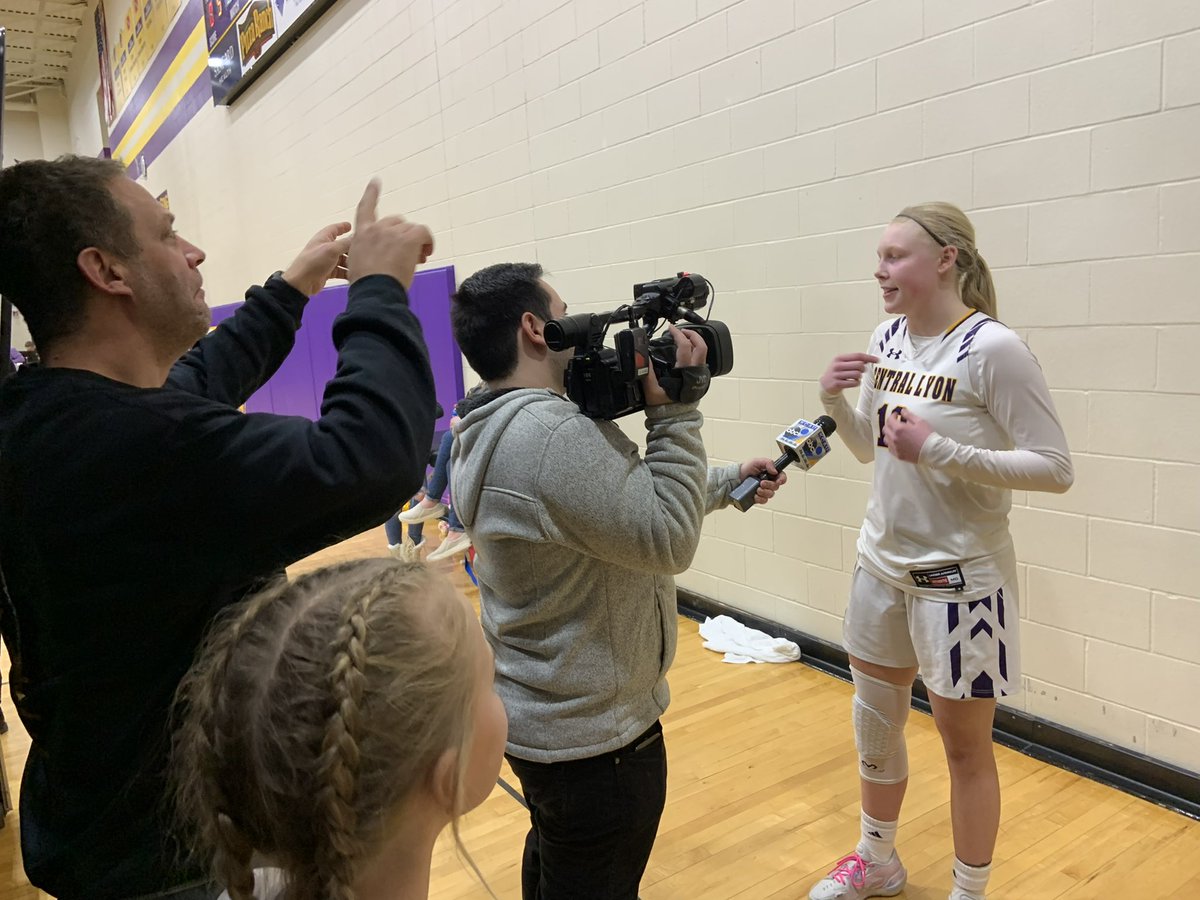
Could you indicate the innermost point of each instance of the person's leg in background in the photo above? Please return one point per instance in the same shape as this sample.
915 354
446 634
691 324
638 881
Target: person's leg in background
408 550
414 517
395 534
456 540
593 821
431 506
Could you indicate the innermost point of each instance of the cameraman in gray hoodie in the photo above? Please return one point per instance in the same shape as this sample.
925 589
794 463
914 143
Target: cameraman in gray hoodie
578 538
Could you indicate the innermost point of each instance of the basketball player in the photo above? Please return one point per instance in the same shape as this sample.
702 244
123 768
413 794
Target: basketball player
955 413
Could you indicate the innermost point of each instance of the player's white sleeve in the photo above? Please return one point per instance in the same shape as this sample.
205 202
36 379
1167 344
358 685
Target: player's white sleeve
1014 390
855 426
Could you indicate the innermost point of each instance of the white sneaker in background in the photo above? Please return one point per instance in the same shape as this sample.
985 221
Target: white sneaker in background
419 513
456 542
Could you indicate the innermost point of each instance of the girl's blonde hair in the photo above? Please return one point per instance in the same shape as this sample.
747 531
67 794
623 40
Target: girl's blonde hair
950 227
312 712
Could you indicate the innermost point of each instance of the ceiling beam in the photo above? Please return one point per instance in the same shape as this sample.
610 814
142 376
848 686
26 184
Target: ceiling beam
42 38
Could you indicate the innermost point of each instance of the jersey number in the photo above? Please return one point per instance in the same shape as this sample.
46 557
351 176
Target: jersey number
883 414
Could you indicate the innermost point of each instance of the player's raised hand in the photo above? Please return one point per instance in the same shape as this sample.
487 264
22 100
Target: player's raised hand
846 371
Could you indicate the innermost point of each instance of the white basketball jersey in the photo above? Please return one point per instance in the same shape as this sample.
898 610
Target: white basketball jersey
928 532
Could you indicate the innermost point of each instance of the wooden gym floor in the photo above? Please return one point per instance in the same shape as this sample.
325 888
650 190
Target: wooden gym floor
763 798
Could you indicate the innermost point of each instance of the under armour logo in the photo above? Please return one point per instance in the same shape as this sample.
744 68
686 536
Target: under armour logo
894 354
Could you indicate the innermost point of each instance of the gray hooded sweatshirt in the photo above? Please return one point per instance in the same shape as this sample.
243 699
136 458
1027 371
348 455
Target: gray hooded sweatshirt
577 538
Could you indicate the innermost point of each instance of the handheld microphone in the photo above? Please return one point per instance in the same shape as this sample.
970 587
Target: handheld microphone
804 443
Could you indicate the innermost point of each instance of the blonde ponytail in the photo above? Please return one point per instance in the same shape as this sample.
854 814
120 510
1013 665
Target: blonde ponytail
950 227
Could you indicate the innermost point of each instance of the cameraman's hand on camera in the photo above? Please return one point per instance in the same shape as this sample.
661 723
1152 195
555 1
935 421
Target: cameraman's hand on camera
772 478
387 246
322 258
690 350
845 371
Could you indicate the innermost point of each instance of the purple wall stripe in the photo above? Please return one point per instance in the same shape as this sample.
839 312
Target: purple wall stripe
197 97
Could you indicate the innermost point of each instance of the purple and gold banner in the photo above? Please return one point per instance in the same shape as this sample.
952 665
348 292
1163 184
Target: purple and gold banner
244 36
173 88
170 58
140 27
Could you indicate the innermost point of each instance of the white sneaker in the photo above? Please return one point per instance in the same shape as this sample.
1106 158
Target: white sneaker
855 877
419 513
407 551
456 542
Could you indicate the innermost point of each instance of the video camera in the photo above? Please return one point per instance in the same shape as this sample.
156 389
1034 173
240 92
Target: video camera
606 383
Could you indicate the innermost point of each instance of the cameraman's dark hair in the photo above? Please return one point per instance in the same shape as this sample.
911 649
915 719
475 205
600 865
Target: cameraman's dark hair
49 212
487 309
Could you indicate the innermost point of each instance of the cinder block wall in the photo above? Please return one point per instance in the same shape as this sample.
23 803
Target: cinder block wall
765 143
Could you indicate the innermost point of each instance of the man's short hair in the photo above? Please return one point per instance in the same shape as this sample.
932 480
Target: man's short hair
487 311
49 212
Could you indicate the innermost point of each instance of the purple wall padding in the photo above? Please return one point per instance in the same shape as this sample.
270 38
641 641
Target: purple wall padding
430 300
296 389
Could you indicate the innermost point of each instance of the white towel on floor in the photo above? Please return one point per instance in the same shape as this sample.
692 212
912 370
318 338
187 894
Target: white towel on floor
745 645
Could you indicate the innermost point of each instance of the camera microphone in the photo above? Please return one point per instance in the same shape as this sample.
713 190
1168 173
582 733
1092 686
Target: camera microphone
804 443
686 290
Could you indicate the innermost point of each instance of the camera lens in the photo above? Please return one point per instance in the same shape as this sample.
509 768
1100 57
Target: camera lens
569 331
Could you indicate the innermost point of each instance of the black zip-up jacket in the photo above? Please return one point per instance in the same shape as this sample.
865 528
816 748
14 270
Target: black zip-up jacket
129 517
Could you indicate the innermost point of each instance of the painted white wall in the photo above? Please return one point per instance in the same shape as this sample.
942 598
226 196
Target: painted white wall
82 84
22 140
53 123
765 143
22 136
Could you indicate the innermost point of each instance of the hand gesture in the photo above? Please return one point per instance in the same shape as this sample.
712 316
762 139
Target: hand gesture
388 246
905 433
322 258
845 371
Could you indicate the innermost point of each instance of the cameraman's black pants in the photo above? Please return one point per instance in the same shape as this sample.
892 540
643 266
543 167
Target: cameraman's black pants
593 821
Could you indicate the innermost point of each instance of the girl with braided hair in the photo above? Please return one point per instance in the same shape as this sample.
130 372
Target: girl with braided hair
955 414
334 725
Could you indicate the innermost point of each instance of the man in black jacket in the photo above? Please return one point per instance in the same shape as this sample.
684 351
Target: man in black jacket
136 502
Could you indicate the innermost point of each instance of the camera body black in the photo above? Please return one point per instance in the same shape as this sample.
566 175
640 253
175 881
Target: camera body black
605 382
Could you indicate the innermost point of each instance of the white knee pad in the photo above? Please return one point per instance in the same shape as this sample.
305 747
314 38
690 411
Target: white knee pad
880 711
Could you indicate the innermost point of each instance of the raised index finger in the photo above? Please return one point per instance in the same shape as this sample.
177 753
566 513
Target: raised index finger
365 214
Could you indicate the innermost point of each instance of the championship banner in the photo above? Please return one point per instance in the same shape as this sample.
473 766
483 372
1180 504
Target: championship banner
245 36
141 26
167 59
158 63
